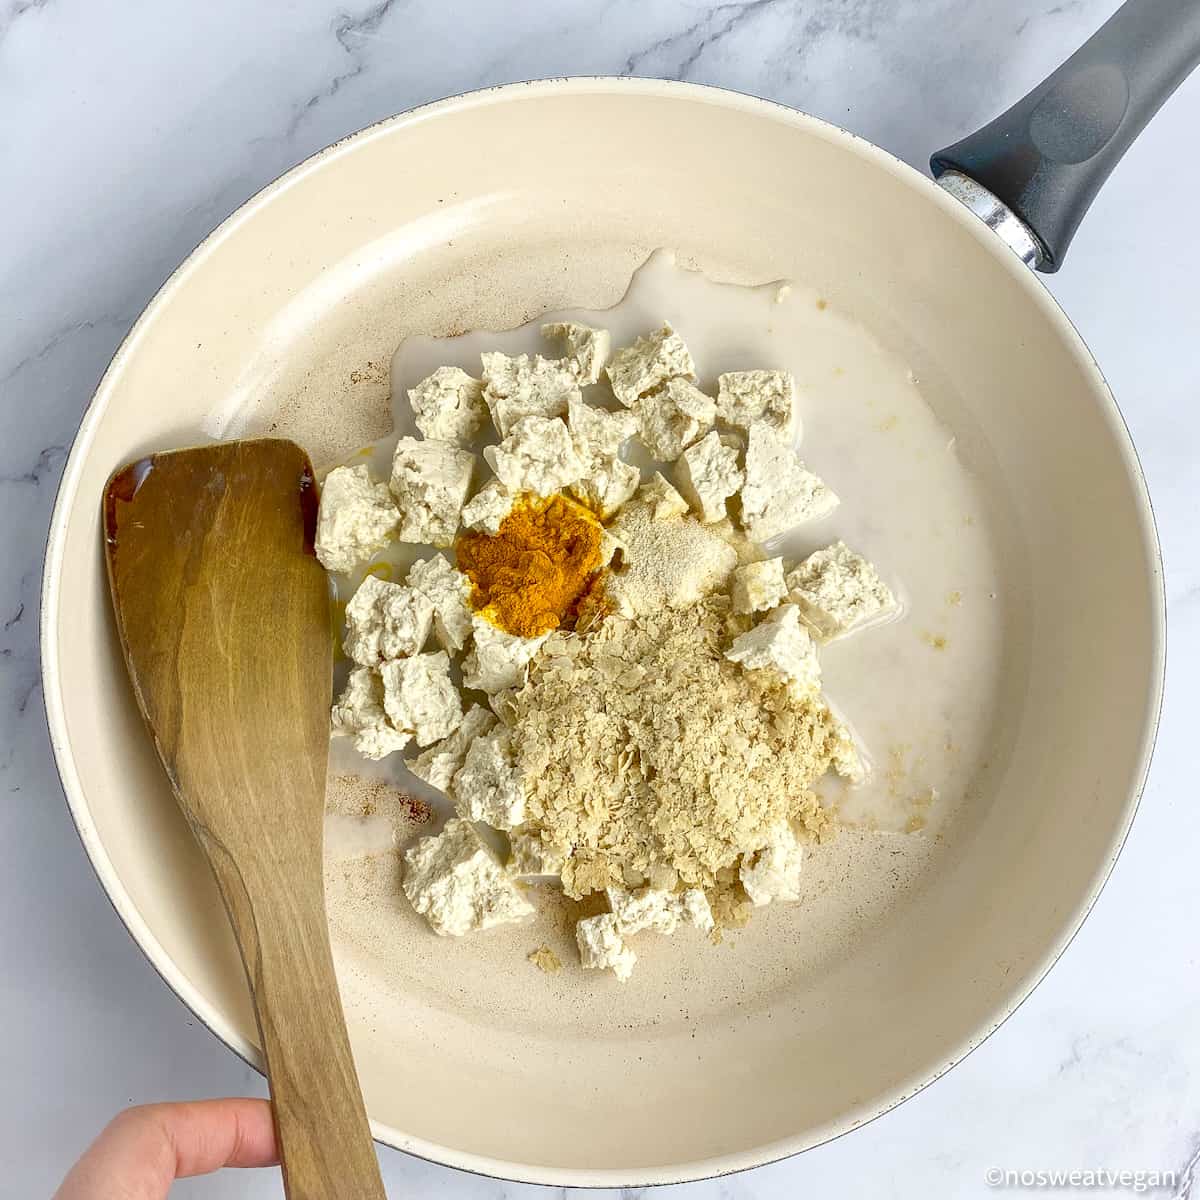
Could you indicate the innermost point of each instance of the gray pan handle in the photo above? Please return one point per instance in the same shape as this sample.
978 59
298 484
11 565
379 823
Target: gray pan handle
1045 159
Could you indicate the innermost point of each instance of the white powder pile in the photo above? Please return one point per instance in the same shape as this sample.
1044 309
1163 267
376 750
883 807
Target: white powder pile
670 563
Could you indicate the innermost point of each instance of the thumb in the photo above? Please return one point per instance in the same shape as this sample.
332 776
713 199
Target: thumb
143 1150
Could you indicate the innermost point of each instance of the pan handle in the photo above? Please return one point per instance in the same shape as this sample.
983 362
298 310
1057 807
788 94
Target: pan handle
1042 162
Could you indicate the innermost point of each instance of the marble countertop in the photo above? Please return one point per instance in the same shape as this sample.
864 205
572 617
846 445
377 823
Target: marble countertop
130 130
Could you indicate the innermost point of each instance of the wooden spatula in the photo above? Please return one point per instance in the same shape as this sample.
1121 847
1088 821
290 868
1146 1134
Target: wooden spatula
223 615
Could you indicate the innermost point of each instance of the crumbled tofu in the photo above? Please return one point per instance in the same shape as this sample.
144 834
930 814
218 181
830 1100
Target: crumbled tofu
759 586
385 620
486 510
779 491
732 440
696 910
420 698
598 434
504 704
605 488
658 909
847 760
610 547
648 364
746 398
454 881
498 660
781 644
448 406
356 518
448 590
672 418
587 349
773 873
430 481
532 856
438 765
661 498
488 787
601 946
359 713
525 386
707 474
536 456
838 590
646 908
671 563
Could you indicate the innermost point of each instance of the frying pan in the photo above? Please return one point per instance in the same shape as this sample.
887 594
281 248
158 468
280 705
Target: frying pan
484 210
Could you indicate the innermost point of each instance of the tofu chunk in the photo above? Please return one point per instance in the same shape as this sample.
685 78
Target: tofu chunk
455 882
646 365
486 510
587 349
430 481
672 418
601 946
358 713
597 434
356 518
420 698
385 620
838 591
645 908
779 492
846 759
663 501
610 546
533 856
606 488
745 398
448 591
448 406
658 910
438 765
527 386
696 910
488 786
498 660
759 586
781 644
773 873
537 456
707 474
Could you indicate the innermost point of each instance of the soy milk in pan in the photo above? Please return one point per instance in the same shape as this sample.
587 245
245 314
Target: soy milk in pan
917 690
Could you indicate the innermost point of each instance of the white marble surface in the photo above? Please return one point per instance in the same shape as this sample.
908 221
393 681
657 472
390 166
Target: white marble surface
129 129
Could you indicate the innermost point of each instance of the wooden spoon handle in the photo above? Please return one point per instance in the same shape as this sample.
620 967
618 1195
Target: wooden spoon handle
325 1144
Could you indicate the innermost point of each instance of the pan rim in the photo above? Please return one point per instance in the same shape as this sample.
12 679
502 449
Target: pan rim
139 929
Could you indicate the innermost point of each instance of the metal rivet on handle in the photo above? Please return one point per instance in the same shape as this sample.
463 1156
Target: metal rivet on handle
996 215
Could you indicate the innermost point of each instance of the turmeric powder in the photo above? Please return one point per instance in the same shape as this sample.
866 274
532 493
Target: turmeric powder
539 571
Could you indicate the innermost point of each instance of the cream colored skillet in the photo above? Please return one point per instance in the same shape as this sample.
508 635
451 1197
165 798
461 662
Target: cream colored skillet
484 210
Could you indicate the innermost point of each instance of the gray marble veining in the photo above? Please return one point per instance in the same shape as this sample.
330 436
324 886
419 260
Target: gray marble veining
130 130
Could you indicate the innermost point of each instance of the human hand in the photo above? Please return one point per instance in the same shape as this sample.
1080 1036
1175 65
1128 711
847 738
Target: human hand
143 1150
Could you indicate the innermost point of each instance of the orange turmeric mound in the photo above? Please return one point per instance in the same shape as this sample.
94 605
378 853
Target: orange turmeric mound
541 571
